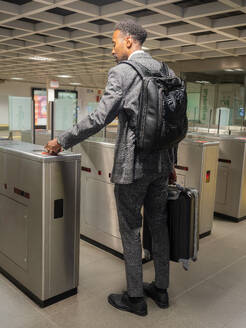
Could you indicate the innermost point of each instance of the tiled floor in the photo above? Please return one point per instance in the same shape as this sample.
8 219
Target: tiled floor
211 294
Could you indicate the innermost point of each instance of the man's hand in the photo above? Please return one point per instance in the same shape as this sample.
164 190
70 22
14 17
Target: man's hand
53 147
172 177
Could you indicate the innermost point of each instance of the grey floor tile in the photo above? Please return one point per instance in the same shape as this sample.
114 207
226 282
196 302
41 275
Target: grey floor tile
210 295
95 313
17 311
100 274
222 228
104 276
210 305
212 258
35 322
233 278
177 320
90 253
238 322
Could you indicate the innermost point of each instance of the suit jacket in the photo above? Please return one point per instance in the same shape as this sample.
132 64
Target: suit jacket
121 99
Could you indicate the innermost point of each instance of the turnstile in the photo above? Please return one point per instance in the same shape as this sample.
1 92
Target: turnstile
98 216
197 168
230 201
39 220
231 185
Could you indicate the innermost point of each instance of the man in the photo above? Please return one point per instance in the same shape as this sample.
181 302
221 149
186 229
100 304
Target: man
137 181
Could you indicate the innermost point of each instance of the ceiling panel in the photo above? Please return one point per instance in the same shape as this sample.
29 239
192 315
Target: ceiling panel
100 22
101 2
29 20
41 38
142 13
18 2
60 11
190 3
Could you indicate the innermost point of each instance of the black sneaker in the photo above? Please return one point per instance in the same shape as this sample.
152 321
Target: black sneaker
123 302
159 297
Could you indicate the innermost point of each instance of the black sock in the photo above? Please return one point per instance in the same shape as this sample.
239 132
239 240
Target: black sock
136 299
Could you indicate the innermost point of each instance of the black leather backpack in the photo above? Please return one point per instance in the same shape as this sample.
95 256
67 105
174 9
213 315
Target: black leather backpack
162 121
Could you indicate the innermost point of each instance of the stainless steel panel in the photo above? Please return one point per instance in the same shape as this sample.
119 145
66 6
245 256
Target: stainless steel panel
222 185
25 175
63 231
98 219
198 158
232 149
34 152
52 246
208 189
99 207
14 236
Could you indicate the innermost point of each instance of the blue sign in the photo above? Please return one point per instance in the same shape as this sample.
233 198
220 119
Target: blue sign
241 112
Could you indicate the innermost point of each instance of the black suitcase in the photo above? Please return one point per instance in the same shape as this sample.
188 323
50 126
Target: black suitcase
183 225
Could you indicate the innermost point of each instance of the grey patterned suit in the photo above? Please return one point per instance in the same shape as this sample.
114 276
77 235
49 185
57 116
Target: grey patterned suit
137 181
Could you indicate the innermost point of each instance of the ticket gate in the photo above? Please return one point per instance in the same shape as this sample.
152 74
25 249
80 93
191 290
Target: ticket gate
98 215
231 186
197 168
230 201
39 220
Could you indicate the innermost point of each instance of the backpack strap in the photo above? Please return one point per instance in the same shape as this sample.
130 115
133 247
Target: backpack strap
139 68
145 72
165 69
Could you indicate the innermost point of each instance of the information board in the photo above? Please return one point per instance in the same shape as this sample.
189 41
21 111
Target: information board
40 102
20 113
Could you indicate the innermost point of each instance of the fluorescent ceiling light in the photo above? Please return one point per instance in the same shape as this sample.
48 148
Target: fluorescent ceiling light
75 83
204 82
64 76
229 70
39 58
239 69
17 78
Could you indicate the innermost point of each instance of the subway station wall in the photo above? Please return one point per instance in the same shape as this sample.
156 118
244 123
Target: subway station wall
88 98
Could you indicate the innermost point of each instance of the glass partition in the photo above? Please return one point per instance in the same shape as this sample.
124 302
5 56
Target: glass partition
64 116
20 116
64 110
71 95
213 106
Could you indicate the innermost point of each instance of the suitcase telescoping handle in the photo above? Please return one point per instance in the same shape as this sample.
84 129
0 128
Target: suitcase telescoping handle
174 191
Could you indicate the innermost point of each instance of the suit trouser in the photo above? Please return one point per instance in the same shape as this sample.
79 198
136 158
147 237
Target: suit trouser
150 192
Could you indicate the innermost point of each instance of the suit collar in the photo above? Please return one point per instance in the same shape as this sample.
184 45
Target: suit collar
137 54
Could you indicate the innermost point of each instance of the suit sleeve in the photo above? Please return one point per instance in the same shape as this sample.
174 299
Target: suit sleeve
108 108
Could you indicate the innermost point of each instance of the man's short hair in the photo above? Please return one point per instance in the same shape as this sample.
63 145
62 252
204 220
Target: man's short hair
136 31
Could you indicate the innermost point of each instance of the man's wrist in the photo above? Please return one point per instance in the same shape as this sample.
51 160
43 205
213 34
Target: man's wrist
59 142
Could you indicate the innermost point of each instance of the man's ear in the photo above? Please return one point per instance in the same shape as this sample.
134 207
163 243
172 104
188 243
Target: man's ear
129 42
